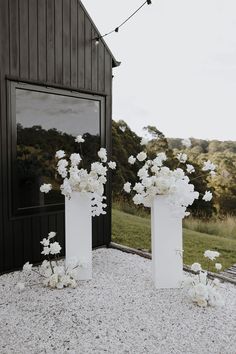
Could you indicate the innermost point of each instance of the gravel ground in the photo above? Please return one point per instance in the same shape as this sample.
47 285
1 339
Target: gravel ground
119 311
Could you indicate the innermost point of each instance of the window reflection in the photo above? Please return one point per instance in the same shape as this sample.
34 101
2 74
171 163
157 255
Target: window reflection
46 123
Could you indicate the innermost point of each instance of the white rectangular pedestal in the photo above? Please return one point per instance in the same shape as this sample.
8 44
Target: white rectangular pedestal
167 245
79 233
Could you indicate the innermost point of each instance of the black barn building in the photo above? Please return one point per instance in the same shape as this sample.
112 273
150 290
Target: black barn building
55 83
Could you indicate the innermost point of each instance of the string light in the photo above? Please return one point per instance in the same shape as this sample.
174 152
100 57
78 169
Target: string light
97 39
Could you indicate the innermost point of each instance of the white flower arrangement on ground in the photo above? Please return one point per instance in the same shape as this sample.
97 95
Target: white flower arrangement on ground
53 274
157 179
78 179
202 290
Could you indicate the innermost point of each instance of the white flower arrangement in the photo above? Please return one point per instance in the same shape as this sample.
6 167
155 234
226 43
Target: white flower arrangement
156 179
78 179
202 290
54 274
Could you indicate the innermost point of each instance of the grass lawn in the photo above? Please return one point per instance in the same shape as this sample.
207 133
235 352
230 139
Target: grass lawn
135 231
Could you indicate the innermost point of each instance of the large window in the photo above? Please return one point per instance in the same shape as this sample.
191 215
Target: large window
44 121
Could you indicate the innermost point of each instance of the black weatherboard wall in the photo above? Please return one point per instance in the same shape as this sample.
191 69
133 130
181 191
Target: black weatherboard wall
46 44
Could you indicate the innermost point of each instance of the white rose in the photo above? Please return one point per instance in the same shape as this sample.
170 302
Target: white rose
211 254
27 267
182 157
131 160
73 283
45 242
55 248
79 139
45 188
218 266
51 235
75 159
196 267
112 165
142 156
201 302
207 196
127 187
60 154
142 173
208 166
139 188
138 199
190 169
102 154
45 264
53 280
46 251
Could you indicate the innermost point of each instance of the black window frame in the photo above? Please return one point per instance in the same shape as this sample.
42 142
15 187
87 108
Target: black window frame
15 211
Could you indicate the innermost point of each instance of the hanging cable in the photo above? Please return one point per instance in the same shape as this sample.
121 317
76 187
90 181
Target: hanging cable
97 39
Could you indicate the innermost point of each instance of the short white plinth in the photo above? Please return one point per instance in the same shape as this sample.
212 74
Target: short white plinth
167 245
79 233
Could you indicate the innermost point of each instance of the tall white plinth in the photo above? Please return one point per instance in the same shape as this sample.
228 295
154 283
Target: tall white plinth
79 233
167 245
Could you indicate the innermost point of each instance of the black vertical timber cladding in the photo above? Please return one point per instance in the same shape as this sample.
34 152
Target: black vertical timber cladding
33 33
58 41
50 40
46 42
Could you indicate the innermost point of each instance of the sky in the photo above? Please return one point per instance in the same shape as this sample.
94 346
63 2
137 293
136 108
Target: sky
178 65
